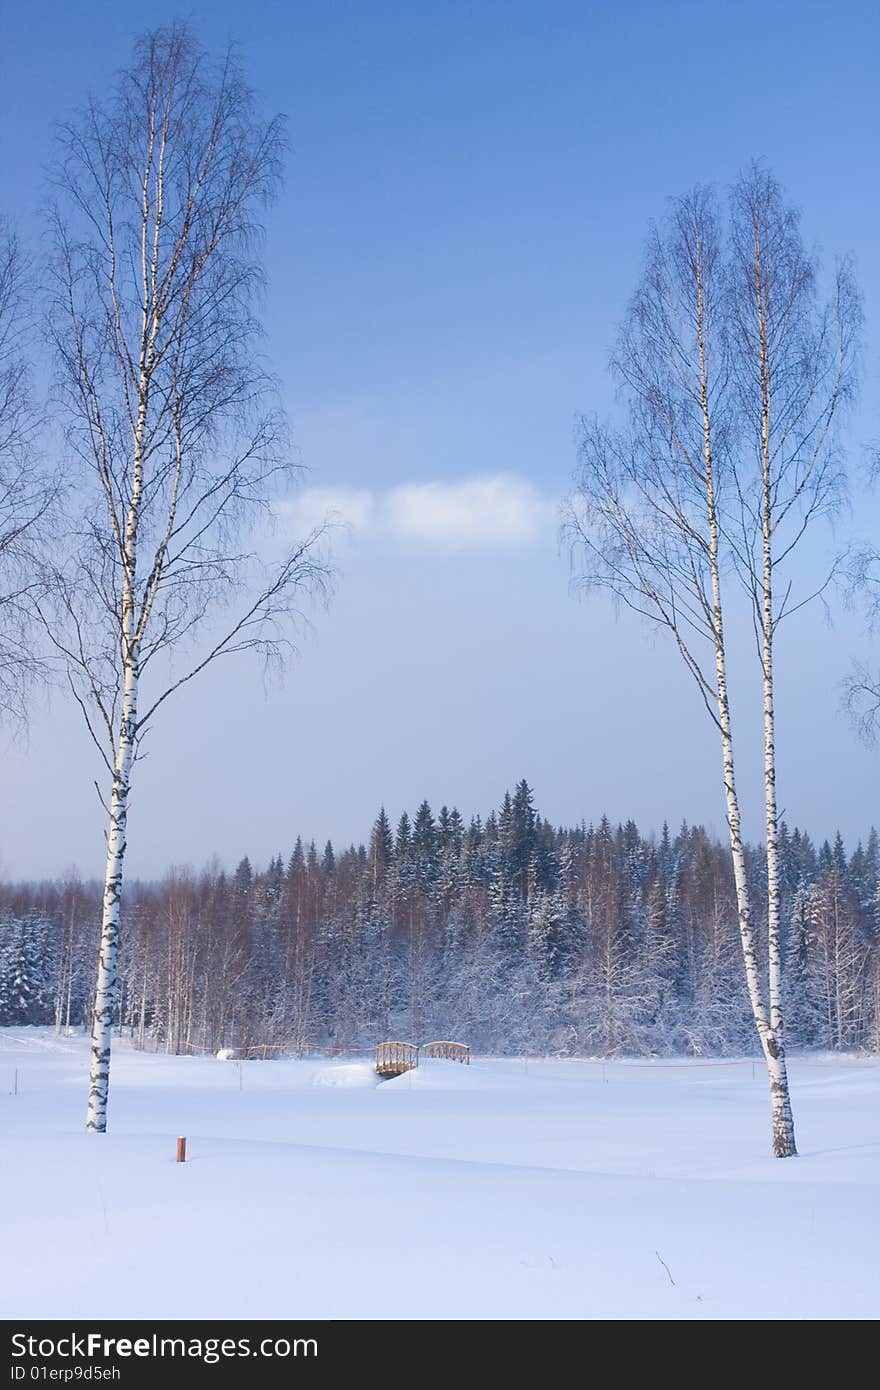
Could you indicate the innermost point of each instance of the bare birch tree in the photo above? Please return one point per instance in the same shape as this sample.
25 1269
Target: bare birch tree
793 369
159 188
26 491
647 517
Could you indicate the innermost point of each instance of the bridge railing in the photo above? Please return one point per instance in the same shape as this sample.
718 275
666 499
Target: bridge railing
451 1051
392 1058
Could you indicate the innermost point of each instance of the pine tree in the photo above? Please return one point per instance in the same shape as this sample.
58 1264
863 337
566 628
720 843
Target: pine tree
403 839
381 848
805 1008
26 993
424 832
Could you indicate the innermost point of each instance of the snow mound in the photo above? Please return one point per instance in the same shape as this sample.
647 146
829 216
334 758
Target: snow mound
439 1074
349 1077
226 1054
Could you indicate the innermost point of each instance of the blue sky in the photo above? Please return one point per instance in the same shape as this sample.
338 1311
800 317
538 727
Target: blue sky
466 201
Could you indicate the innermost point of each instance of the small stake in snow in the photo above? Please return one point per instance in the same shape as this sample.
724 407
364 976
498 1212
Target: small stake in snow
181 1150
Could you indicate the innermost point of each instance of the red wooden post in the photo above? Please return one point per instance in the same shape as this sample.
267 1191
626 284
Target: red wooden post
181 1150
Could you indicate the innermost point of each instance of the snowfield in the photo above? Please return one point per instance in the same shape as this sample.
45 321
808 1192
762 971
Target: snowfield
509 1189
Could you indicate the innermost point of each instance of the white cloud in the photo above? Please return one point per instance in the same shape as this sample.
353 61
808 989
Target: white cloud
474 513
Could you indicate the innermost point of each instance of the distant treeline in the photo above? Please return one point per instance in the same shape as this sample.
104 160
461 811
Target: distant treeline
507 933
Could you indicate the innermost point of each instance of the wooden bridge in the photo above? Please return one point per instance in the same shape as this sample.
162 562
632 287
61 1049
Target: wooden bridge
394 1058
451 1051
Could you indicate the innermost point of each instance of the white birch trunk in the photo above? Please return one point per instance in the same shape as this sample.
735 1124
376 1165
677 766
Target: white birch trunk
774 1045
782 1124
108 955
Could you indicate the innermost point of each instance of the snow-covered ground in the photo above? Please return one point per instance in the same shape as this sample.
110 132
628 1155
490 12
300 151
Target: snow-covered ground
508 1189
